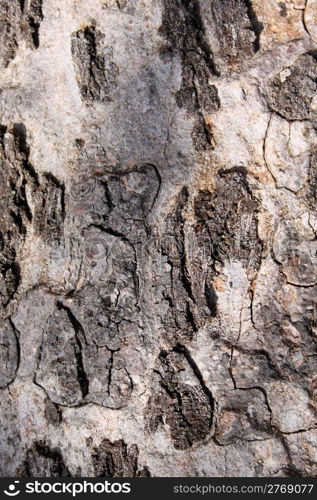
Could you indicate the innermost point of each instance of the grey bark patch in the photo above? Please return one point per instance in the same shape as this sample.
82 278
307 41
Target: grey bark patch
108 314
130 195
95 69
26 200
53 413
283 336
18 20
124 6
118 202
185 265
60 370
82 356
290 93
43 461
115 459
296 252
9 354
102 316
172 283
250 369
140 265
186 408
242 415
111 384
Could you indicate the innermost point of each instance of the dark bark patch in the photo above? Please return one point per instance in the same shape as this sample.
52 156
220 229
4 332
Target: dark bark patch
283 9
187 409
242 415
237 31
34 16
183 28
115 459
290 93
50 213
60 368
228 216
18 21
43 461
311 185
53 413
18 180
95 69
9 354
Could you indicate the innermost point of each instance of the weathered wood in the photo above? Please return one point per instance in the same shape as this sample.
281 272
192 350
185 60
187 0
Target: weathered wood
158 237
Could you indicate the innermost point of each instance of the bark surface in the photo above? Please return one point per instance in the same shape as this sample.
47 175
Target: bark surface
158 237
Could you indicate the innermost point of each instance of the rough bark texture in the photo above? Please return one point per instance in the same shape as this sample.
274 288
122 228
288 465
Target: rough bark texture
158 234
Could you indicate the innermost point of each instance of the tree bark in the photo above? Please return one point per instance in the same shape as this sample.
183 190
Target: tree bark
158 237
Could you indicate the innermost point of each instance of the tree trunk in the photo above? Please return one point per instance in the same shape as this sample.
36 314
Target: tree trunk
158 234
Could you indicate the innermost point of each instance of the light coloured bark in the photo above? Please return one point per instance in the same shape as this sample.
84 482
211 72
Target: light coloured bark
158 232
